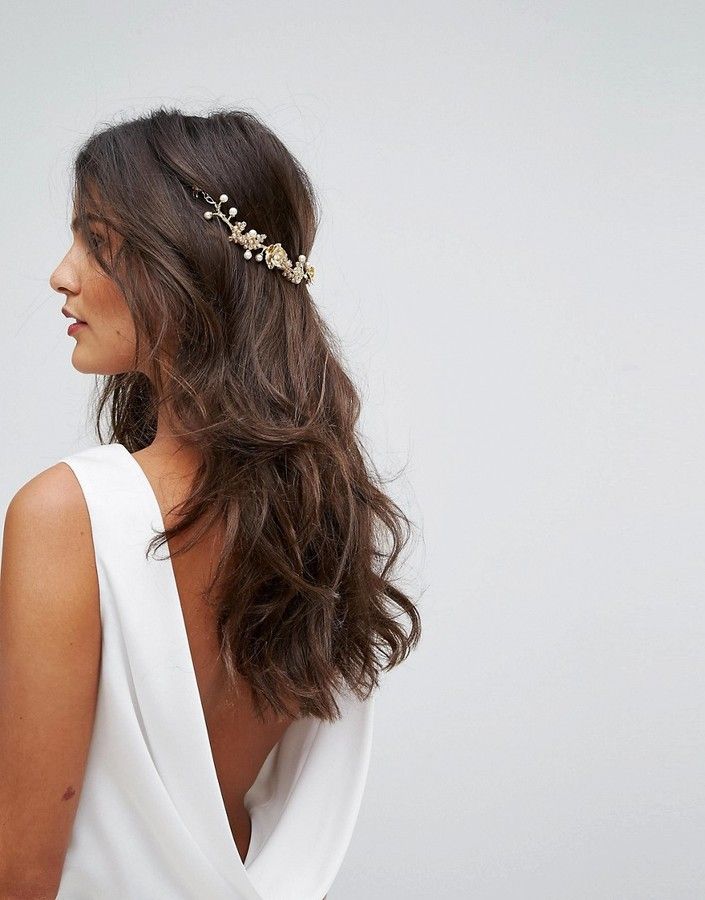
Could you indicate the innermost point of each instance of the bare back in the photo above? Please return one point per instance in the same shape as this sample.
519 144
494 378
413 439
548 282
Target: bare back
240 741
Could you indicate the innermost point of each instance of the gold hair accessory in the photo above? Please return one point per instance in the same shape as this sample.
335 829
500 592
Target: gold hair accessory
274 254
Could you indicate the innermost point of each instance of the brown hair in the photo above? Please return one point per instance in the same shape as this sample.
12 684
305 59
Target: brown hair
305 599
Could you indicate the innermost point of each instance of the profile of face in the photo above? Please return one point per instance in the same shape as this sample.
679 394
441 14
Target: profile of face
105 343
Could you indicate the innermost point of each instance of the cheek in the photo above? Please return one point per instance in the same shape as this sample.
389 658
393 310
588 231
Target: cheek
118 333
112 335
114 315
123 327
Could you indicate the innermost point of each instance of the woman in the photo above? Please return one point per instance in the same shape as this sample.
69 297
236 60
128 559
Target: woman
195 723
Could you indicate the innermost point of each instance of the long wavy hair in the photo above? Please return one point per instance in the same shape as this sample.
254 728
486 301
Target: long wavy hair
303 591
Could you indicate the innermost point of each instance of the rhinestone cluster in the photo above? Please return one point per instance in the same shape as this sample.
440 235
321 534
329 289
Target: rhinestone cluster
274 255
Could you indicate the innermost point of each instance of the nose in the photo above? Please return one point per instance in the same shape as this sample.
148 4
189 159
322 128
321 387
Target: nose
63 279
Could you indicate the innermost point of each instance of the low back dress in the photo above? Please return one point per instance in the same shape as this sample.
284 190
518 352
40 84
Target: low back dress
151 823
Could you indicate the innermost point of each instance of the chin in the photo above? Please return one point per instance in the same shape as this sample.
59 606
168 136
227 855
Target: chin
87 365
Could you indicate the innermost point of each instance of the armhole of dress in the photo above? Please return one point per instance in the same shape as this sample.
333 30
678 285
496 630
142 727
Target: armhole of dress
96 556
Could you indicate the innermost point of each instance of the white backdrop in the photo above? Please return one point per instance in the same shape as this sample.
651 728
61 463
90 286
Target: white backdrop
512 254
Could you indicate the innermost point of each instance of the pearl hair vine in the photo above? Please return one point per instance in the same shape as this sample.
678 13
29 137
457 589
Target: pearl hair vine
274 255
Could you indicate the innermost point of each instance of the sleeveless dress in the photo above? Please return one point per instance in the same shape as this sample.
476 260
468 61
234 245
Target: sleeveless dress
151 823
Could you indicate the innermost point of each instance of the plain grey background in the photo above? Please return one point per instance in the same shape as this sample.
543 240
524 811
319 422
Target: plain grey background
511 252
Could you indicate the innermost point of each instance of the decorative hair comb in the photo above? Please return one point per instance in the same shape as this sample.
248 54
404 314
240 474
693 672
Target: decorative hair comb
274 254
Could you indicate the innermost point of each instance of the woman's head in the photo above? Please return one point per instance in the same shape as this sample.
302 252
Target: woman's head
149 275
253 381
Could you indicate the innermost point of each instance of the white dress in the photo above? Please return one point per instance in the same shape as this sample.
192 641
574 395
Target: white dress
151 823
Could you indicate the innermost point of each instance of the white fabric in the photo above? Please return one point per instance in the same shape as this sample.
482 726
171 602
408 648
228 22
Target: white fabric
151 823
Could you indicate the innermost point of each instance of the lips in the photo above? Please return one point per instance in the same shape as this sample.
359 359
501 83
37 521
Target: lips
70 315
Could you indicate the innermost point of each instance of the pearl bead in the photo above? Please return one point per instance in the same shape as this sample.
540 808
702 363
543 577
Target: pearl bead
302 258
232 211
223 198
207 215
259 257
248 254
252 232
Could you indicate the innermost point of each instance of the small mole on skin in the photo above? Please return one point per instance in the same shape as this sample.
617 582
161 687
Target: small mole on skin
68 793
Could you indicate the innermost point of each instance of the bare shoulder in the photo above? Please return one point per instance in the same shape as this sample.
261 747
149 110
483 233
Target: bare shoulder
47 509
54 489
47 535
